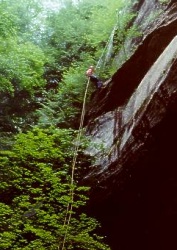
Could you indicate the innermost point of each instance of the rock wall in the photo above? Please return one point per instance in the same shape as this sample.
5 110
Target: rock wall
141 85
132 124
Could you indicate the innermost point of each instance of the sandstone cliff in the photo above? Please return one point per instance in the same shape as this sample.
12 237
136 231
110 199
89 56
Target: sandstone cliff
134 119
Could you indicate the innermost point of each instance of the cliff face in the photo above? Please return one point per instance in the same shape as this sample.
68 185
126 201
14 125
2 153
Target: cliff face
133 120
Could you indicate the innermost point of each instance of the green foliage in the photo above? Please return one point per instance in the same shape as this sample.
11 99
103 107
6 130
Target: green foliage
63 109
20 18
21 70
35 191
7 24
66 35
21 66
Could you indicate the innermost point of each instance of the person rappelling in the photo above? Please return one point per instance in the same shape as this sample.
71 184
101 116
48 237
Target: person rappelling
93 78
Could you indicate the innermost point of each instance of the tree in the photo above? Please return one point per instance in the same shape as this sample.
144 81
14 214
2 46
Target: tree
24 16
35 191
21 68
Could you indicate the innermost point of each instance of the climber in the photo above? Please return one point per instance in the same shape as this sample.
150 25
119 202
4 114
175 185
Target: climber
93 78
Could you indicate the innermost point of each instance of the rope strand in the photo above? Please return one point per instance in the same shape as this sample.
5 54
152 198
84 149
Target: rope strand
70 204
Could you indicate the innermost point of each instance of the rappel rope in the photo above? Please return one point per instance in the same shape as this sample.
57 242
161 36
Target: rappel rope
70 204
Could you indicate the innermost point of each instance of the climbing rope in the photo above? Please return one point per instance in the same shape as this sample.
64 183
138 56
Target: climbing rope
70 204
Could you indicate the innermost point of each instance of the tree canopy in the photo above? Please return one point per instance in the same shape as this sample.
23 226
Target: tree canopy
35 191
